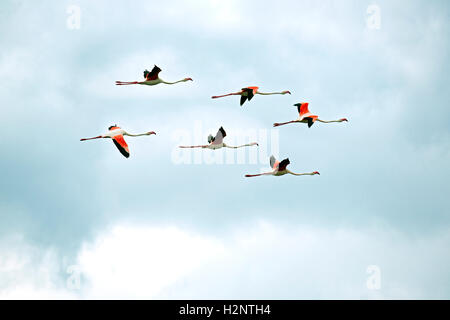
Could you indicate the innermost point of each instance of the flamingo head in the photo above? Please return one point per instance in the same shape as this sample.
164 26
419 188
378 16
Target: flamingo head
286 91
187 79
344 119
151 132
254 144
316 172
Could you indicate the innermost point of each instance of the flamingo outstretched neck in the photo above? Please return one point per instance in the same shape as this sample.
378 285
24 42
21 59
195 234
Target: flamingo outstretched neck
303 174
269 93
330 121
182 80
140 134
241 146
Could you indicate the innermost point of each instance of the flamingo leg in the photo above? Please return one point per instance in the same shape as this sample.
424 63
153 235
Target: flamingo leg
226 95
122 83
283 123
192 147
257 175
98 137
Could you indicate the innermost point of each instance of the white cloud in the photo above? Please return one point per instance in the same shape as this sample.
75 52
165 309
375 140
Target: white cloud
27 272
140 262
130 261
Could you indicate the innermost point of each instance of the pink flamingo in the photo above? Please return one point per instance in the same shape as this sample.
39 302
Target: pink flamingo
280 169
116 134
151 78
248 93
306 117
217 142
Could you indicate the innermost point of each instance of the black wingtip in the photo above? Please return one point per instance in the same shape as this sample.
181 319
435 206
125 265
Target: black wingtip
283 164
224 134
243 99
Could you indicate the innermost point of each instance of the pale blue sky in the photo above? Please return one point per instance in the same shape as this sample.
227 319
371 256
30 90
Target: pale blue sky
381 198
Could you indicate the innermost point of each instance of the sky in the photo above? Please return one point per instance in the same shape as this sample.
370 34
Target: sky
80 221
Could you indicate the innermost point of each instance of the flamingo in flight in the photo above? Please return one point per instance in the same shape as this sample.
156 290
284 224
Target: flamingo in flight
151 78
279 168
217 142
116 134
248 93
306 117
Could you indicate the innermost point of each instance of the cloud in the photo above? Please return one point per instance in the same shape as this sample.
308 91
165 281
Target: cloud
140 262
29 272
389 163
131 261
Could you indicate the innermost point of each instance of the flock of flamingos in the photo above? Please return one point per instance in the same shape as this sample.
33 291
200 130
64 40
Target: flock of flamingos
279 168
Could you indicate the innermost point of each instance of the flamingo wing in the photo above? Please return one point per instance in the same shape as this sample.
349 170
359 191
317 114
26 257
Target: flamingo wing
302 108
305 114
243 99
218 139
120 143
152 75
250 93
273 160
283 164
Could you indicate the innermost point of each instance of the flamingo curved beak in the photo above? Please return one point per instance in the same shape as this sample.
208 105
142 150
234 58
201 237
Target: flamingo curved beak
151 132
